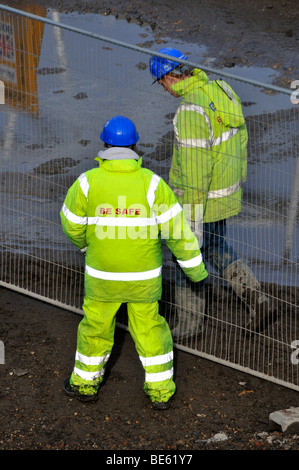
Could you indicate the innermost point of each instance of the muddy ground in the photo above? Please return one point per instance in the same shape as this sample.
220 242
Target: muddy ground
256 33
40 339
40 342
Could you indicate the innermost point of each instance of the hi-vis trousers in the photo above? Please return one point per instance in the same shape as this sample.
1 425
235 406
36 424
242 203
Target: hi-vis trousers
152 338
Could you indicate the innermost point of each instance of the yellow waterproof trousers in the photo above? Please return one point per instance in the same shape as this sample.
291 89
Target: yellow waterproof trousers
152 338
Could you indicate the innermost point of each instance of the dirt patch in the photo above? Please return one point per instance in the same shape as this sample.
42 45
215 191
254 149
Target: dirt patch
40 342
257 33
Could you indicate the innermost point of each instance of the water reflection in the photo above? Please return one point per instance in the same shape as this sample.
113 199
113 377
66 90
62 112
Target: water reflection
20 47
72 82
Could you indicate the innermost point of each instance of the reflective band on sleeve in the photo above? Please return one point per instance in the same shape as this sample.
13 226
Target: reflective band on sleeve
166 216
194 143
110 276
152 189
91 361
225 136
191 263
159 376
84 185
89 375
122 221
202 143
73 217
156 360
224 192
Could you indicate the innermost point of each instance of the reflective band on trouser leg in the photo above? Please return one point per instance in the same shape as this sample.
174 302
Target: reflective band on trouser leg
153 342
95 340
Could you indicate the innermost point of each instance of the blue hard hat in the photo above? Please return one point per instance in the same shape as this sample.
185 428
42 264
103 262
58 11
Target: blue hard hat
159 66
119 132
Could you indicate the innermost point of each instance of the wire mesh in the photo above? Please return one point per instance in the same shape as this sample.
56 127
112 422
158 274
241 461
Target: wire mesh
61 85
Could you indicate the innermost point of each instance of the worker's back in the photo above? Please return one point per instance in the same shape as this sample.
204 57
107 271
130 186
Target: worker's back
118 212
122 234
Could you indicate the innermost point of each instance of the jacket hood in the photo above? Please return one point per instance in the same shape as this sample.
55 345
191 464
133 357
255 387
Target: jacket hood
125 165
199 79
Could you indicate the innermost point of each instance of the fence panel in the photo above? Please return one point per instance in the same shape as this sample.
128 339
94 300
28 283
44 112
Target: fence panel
61 84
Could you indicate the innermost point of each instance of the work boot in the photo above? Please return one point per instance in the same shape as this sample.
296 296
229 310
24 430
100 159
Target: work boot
190 310
248 289
161 405
73 392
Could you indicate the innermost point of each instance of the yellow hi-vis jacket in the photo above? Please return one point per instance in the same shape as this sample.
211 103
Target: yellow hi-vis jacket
119 213
210 152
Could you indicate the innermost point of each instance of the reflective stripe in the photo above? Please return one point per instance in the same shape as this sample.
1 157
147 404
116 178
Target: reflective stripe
76 219
136 221
122 221
91 360
227 90
194 143
84 184
88 375
156 360
159 376
225 136
172 212
152 189
202 143
191 263
224 192
110 276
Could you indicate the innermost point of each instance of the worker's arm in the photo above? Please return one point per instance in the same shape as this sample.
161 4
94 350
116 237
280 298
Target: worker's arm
177 233
192 164
244 140
73 215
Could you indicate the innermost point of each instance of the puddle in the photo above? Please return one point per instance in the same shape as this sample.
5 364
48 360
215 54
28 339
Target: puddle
82 82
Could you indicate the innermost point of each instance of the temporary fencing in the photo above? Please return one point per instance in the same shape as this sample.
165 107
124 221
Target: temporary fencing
61 84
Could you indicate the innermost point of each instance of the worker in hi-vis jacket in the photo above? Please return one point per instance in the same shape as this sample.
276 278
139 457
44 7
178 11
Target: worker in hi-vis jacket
117 214
209 164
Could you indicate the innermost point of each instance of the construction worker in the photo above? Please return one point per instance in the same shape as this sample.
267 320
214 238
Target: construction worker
209 164
118 213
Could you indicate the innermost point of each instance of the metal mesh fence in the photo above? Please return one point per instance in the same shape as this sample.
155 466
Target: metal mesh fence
61 85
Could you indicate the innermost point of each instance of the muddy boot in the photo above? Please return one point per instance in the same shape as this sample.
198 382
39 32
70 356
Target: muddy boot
190 310
246 286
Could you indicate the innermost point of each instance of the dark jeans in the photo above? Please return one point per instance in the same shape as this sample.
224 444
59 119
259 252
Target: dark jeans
215 250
